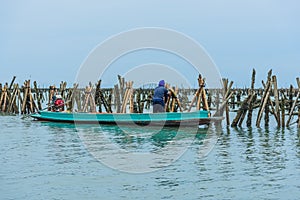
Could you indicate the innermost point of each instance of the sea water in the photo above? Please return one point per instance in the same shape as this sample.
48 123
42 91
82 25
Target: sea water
42 160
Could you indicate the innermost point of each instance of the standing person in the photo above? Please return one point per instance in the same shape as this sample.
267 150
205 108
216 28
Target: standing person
160 97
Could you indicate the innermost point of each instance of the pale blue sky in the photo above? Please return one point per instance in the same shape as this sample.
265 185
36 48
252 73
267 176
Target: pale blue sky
47 41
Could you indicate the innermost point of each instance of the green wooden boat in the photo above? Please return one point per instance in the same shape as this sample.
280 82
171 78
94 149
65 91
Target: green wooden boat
166 119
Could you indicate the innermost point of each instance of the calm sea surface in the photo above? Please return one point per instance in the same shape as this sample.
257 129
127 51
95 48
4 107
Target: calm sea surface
40 160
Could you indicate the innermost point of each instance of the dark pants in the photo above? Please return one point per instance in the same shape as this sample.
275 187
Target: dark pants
158 108
158 105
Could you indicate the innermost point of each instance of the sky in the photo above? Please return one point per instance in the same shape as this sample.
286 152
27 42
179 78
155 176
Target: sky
48 41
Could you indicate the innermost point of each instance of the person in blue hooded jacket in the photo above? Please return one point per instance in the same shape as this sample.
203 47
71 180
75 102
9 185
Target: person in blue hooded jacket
160 97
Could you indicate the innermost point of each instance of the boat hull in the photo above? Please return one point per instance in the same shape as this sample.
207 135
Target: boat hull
142 119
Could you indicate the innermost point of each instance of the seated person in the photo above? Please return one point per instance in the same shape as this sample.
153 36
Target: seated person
58 104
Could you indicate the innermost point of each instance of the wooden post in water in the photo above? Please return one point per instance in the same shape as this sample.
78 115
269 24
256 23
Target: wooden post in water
175 100
131 98
227 94
200 96
12 107
276 97
12 82
125 98
290 98
3 99
62 89
97 96
128 93
264 99
250 109
122 85
282 110
38 95
227 89
194 99
294 104
52 91
71 97
89 102
138 100
25 100
246 107
238 120
117 98
168 102
267 111
298 121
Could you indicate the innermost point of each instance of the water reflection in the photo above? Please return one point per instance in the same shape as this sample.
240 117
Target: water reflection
137 150
63 144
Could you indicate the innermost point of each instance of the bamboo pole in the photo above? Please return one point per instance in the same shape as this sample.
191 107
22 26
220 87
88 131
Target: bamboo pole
194 99
294 103
31 108
38 96
13 98
250 108
222 106
264 98
4 99
253 79
92 103
117 98
174 95
122 84
204 100
15 105
240 112
199 100
282 111
127 95
86 101
51 94
125 99
248 103
11 83
290 98
168 101
267 111
276 97
226 88
71 98
298 124
23 110
131 99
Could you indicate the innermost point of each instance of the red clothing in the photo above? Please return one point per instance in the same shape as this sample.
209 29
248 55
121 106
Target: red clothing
59 102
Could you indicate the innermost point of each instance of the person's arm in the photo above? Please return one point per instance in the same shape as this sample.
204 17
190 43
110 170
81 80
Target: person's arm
166 95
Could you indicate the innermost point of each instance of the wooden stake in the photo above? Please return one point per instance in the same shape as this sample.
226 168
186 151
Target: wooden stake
294 104
246 107
264 98
282 111
26 89
298 124
117 98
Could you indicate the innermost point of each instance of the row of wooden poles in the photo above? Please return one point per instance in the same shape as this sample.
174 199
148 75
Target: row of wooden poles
277 102
120 99
128 99
282 103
